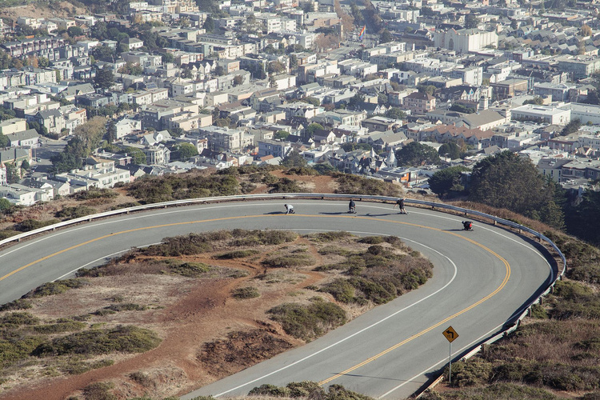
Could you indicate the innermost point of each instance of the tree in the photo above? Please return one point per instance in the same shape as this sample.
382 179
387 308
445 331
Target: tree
582 220
104 78
276 67
312 128
12 174
75 31
571 127
209 24
537 100
509 181
186 151
167 58
312 100
471 21
586 30
103 52
386 37
447 180
294 159
5 205
111 131
281 135
137 155
219 71
351 146
450 150
429 89
462 108
238 80
417 154
3 141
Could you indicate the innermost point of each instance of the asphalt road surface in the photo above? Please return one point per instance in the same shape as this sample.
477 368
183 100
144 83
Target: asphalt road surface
481 279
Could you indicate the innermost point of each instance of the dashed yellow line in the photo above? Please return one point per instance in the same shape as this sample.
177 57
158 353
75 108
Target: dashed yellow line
361 364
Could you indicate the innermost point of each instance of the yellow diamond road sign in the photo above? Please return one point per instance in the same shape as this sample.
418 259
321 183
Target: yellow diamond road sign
450 334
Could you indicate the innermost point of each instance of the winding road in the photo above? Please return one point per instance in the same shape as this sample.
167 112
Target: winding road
481 279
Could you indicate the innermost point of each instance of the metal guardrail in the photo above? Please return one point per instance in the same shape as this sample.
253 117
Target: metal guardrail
440 206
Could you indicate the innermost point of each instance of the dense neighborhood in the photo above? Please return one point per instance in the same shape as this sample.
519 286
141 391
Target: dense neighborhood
174 85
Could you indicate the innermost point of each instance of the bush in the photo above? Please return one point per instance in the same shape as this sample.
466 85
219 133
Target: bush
237 254
180 246
338 251
286 185
60 327
470 373
6 233
18 319
302 171
99 391
269 390
15 349
246 293
183 186
95 194
341 290
54 288
127 339
244 237
371 240
289 261
188 269
32 224
538 312
352 184
19 304
126 307
329 236
308 322
75 212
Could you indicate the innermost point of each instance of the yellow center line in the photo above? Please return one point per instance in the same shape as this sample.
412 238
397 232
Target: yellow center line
363 363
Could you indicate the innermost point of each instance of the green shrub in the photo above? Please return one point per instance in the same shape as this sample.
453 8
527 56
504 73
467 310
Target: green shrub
289 261
341 290
470 373
242 237
353 184
75 212
329 236
302 171
373 291
125 205
180 246
32 224
63 326
189 269
95 193
237 254
127 339
245 293
538 312
54 288
371 240
183 186
338 251
305 389
126 307
99 391
286 185
19 304
18 319
6 233
269 390
588 273
308 322
19 348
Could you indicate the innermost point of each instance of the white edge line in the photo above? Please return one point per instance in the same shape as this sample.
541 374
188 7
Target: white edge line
355 333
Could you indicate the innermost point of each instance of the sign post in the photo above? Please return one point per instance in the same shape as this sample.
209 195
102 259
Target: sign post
451 336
